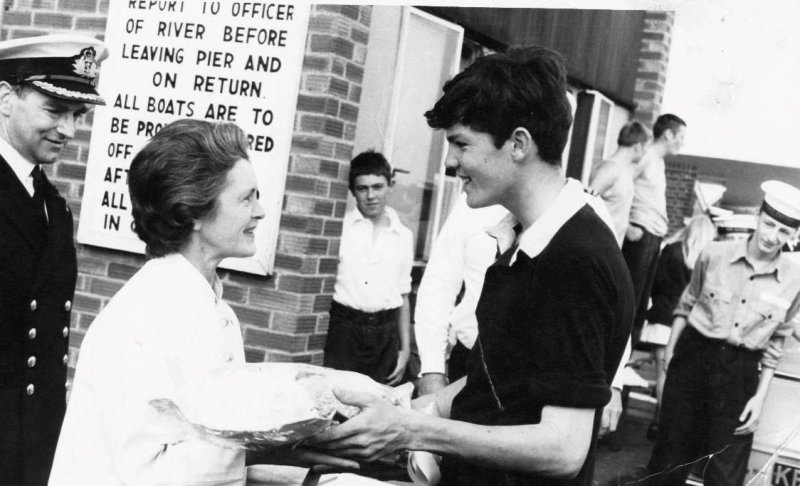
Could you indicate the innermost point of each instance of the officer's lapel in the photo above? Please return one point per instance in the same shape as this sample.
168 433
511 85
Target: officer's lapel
14 201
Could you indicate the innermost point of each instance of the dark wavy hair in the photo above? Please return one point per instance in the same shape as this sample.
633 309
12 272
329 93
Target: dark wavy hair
176 178
523 87
632 133
665 122
369 163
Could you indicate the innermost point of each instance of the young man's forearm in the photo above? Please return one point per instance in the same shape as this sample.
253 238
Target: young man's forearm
556 447
404 324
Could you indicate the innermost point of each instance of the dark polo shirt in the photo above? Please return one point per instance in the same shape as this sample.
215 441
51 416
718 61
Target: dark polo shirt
552 330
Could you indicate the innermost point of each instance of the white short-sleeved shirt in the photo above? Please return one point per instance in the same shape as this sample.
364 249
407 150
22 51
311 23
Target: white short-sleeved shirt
374 268
166 327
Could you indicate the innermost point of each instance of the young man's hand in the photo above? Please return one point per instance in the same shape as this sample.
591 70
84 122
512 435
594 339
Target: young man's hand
400 369
750 416
611 413
377 431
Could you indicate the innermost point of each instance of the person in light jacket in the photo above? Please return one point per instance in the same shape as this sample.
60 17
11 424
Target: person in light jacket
195 202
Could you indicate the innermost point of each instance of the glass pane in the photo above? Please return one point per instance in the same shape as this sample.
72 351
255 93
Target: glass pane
600 134
430 54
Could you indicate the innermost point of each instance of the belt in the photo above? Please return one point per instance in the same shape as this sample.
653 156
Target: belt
691 333
350 312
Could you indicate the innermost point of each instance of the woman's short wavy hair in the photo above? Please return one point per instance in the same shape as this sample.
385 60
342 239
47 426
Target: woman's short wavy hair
176 178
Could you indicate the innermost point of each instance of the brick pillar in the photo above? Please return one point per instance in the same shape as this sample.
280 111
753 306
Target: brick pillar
680 193
653 62
284 316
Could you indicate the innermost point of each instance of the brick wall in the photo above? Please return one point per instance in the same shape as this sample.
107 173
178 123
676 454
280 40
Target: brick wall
284 316
680 193
651 74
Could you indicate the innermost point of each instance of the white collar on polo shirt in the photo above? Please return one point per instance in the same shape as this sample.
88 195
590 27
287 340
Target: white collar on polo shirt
18 164
571 198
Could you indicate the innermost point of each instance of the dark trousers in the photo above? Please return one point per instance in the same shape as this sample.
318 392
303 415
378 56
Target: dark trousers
365 342
708 385
641 257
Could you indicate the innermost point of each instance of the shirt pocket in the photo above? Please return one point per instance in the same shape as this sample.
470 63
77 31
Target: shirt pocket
769 313
715 307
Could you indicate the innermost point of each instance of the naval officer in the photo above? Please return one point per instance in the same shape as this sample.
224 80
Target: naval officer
47 84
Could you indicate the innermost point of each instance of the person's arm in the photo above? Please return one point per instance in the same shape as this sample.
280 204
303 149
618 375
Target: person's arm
436 300
751 414
678 325
769 361
613 410
555 447
404 331
685 305
603 179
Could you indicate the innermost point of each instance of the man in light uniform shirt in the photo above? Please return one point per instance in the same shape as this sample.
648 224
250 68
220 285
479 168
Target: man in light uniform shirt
369 329
740 305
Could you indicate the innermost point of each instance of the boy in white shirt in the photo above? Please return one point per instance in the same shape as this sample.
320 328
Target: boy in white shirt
369 328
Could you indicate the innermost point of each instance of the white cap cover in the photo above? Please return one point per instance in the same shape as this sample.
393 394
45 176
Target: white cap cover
782 202
65 66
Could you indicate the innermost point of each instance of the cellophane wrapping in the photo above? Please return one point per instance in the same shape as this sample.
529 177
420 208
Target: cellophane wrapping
259 405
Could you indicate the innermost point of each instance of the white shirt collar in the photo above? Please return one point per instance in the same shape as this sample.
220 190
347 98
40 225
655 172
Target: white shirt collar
21 167
571 198
355 216
192 276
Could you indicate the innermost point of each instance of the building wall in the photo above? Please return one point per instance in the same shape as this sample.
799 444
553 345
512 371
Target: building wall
680 193
651 75
284 316
600 47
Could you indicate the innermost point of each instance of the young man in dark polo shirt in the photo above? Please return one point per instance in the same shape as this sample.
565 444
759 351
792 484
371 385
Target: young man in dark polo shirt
555 310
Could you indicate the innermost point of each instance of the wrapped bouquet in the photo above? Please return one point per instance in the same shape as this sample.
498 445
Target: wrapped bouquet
257 405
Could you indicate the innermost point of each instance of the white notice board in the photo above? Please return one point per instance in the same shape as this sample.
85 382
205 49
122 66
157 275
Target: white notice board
217 60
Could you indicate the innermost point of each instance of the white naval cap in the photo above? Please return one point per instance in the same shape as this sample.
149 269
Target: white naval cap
782 202
735 223
64 66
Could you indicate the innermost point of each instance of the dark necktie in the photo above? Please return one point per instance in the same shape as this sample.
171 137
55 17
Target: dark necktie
517 230
39 186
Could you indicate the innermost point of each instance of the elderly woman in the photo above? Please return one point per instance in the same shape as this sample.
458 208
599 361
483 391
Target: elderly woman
195 202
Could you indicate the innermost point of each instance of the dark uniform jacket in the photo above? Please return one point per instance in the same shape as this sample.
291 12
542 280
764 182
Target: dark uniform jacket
37 283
